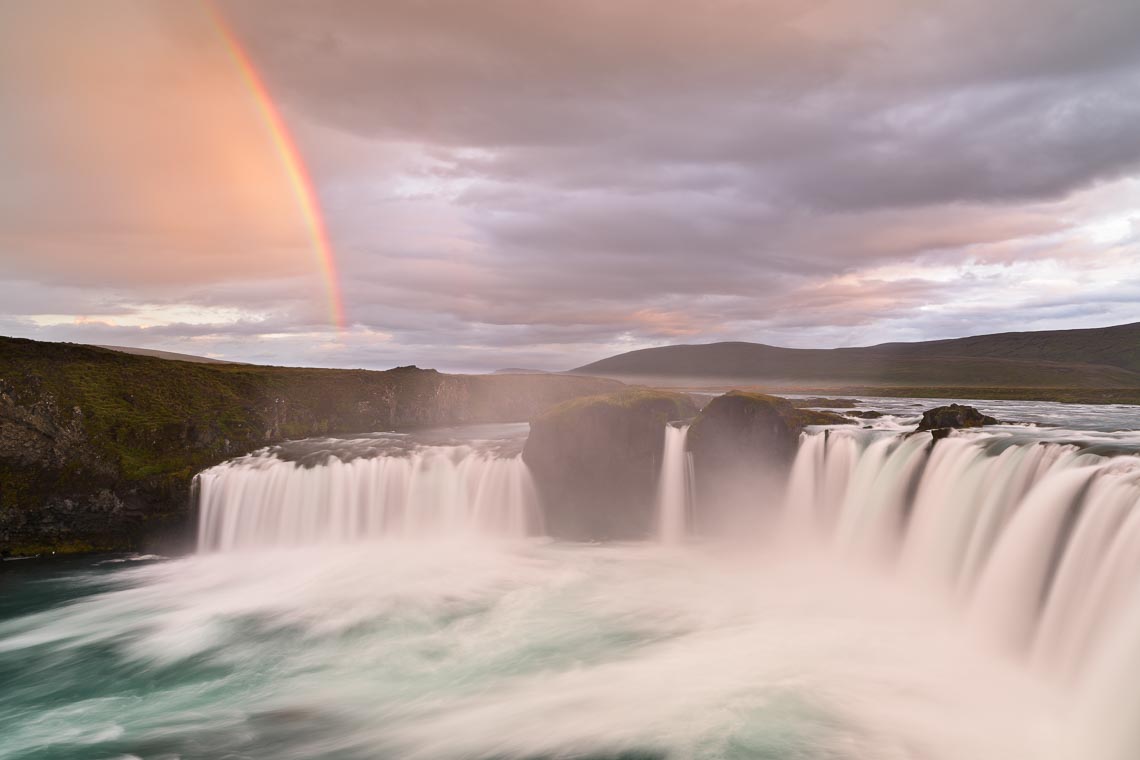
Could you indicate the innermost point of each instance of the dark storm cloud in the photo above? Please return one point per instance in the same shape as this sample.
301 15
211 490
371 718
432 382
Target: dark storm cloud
530 183
825 104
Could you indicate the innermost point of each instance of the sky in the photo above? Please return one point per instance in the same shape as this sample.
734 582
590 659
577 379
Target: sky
543 184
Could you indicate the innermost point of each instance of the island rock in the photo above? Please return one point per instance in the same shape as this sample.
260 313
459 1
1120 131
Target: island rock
742 446
596 461
953 416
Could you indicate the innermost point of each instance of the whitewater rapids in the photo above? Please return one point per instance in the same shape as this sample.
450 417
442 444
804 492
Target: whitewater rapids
521 649
391 597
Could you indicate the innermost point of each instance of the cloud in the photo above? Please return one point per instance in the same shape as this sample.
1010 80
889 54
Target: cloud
517 183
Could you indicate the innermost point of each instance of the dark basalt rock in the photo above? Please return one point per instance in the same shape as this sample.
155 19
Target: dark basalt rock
596 461
954 416
742 446
867 415
741 423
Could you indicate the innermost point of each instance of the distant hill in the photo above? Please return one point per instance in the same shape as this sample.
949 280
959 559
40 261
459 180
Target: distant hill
1107 357
165 355
520 371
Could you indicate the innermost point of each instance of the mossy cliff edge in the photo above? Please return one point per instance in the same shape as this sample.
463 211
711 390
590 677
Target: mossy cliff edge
98 448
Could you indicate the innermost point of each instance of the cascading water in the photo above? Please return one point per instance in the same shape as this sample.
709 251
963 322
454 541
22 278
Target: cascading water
674 486
1039 541
811 647
347 495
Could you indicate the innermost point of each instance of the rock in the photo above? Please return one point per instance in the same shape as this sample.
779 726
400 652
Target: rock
953 416
596 460
742 446
98 448
746 424
867 415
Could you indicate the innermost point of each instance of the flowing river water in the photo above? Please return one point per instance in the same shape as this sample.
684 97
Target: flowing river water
394 597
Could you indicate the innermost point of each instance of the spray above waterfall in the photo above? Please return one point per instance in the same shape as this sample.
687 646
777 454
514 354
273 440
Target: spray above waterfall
1032 534
970 597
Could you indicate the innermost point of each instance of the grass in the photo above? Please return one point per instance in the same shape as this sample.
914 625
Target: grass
78 420
678 404
1043 362
796 416
148 416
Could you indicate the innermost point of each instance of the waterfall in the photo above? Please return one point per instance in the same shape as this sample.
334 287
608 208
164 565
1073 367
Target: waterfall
266 500
673 486
1038 541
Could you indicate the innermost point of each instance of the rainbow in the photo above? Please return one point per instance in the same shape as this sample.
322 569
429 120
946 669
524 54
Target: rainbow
294 165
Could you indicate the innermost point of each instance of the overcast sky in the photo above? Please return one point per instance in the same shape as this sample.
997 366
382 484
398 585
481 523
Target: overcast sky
544 184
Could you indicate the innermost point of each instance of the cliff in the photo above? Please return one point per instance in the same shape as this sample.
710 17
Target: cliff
98 448
596 461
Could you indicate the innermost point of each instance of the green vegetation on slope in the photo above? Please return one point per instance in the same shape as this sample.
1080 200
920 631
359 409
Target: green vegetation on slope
668 406
94 439
1116 346
1107 358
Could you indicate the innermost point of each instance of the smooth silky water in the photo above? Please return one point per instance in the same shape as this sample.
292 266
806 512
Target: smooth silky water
393 597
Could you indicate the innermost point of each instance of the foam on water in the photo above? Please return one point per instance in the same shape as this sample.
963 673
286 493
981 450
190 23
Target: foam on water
519 649
387 597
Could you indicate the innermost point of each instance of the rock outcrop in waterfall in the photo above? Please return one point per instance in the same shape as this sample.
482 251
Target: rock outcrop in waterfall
596 462
742 445
954 416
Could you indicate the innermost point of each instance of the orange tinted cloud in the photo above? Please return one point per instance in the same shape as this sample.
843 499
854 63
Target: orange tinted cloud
139 149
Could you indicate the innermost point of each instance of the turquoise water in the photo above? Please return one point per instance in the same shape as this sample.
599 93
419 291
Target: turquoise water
495 650
470 647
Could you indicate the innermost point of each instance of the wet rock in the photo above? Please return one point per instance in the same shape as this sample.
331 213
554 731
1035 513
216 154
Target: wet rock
98 448
742 445
596 460
864 415
742 424
953 416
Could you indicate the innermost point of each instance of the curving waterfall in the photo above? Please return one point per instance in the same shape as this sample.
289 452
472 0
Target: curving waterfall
268 499
972 598
674 486
1039 541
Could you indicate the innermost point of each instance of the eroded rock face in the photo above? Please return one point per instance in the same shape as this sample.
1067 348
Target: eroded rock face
98 448
742 446
954 416
596 461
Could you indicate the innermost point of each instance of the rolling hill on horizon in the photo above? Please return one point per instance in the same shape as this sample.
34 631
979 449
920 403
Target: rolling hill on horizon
169 355
1107 357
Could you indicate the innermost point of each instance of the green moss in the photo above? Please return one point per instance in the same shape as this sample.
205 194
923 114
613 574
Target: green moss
674 406
752 404
139 427
787 409
32 549
22 486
